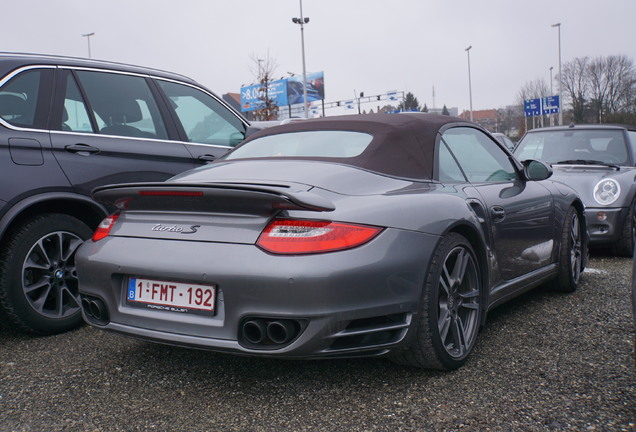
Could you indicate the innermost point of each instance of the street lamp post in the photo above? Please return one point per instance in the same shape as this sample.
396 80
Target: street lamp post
558 26
551 94
470 89
302 21
88 38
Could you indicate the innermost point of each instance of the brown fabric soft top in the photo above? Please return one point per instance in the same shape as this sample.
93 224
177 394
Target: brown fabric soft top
403 144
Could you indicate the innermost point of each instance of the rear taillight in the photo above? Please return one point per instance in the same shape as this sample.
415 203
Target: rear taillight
292 236
104 227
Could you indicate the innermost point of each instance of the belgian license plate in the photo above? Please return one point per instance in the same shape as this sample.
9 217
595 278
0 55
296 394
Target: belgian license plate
171 296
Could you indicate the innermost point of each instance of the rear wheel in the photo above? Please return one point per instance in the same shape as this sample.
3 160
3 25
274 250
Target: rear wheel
571 253
451 309
627 240
38 281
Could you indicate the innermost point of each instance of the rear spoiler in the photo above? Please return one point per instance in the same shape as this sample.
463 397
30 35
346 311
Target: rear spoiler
212 197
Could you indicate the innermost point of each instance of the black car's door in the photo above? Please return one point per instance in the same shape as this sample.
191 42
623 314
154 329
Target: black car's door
26 162
106 128
518 214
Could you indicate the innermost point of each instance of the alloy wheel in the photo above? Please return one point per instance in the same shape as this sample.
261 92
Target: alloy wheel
575 247
49 276
458 302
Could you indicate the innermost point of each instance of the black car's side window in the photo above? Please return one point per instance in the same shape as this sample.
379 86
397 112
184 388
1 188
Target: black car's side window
75 117
480 158
123 105
19 97
203 118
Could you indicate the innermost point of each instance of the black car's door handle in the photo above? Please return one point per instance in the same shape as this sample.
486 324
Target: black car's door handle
497 213
81 149
206 158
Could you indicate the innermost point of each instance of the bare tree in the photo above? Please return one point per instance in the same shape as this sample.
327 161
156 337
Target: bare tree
575 83
508 120
264 70
538 88
612 80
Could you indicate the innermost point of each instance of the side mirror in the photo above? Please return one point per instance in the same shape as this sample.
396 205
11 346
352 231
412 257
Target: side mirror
536 170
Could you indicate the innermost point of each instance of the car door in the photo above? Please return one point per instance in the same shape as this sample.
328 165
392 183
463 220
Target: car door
107 128
518 214
26 162
206 125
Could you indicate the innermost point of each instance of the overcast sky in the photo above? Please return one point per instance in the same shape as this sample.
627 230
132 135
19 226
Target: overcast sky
370 46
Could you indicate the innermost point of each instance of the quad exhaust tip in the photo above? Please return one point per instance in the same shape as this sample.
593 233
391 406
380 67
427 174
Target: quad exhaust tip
269 333
95 310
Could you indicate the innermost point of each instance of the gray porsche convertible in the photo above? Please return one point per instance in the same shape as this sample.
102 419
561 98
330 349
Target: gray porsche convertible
346 236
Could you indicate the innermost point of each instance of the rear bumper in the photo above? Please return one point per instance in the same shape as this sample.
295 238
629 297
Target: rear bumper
359 301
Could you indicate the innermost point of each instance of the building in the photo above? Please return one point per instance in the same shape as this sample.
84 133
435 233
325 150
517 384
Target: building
488 119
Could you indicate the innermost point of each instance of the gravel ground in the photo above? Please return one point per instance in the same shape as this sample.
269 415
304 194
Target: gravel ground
543 362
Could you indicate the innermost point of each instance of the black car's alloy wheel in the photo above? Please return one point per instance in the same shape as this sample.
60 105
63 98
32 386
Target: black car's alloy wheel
38 280
451 309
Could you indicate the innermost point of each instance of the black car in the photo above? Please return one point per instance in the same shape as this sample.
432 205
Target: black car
66 126
599 162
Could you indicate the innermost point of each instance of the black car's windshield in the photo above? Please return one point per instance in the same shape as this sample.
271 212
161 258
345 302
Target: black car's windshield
334 144
604 147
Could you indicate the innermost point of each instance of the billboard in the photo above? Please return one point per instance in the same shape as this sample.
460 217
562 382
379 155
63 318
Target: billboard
287 91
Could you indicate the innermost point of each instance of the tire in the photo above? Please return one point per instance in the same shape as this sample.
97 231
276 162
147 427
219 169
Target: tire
451 309
625 245
38 280
571 253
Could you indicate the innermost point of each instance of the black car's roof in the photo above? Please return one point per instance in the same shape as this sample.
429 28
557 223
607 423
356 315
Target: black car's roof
403 144
11 60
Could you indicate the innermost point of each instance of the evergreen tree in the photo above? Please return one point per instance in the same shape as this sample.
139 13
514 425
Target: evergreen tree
410 103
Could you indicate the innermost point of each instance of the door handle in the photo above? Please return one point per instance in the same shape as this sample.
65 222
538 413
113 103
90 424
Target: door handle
207 158
81 149
497 213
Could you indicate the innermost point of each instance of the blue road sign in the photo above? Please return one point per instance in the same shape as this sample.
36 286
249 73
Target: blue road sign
532 107
550 105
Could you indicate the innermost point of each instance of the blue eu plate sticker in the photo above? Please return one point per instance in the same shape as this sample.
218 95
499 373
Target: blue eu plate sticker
131 288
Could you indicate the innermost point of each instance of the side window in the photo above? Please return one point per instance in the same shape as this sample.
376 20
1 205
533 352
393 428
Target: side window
75 116
449 171
204 119
480 158
632 138
122 105
18 99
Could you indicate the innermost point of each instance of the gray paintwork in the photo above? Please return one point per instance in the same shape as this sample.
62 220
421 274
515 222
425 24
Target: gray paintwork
326 292
583 177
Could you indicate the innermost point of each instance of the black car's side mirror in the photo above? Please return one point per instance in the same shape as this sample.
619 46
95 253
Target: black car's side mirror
536 170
